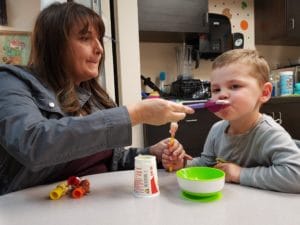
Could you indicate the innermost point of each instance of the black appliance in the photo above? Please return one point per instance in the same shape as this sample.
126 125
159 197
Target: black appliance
183 89
190 89
238 40
219 38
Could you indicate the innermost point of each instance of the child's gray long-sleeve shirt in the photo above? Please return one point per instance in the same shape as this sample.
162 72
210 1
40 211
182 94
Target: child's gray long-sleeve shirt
269 157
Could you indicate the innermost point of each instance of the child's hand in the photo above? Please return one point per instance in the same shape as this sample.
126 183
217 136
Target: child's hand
176 149
232 171
170 163
174 156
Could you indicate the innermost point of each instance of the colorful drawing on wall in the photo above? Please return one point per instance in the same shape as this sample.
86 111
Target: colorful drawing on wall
14 47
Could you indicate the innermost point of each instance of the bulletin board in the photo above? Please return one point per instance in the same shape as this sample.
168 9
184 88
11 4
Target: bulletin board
14 47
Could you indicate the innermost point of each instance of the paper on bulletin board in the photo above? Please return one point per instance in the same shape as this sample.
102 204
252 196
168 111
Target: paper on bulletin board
14 47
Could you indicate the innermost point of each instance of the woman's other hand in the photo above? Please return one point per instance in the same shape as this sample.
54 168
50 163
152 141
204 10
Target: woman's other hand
157 112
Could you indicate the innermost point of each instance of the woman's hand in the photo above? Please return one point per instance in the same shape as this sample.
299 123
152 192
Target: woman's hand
157 112
232 171
158 149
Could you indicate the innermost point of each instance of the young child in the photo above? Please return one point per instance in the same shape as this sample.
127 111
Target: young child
250 147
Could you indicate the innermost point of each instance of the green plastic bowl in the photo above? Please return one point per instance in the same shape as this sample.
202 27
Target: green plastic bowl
201 181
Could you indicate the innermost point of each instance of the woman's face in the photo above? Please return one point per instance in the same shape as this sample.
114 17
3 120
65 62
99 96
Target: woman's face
83 54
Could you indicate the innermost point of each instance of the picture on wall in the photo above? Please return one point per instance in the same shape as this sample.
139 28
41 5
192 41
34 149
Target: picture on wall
14 47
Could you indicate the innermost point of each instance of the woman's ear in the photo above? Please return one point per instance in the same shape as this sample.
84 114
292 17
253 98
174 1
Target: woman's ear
266 92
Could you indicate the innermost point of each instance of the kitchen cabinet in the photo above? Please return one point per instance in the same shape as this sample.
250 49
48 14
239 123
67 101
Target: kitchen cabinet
169 20
193 130
285 110
277 22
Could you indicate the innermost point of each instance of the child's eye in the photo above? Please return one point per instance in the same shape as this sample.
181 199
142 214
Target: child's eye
215 90
235 86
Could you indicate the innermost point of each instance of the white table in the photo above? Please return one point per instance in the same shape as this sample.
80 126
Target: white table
111 201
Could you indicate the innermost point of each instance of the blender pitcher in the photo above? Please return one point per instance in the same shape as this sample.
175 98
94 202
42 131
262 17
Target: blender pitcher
184 60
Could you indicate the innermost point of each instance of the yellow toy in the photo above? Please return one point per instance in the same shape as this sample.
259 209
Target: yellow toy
59 191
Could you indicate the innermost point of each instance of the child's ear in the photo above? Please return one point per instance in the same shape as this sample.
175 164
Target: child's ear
266 92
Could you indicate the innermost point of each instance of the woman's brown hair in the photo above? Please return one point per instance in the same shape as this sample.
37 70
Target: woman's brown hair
49 42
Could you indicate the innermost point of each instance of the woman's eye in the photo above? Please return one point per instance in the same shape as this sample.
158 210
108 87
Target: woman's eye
84 38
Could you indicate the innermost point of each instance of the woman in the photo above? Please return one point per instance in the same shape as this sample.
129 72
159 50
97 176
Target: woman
55 119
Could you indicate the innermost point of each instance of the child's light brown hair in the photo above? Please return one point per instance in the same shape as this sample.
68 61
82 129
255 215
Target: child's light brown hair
260 71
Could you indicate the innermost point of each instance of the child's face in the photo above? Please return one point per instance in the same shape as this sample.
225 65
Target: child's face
235 84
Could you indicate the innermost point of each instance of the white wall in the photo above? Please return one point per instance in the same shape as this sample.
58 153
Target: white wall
108 80
127 40
45 3
21 14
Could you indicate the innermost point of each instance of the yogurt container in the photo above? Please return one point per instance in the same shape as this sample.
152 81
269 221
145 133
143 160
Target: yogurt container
145 176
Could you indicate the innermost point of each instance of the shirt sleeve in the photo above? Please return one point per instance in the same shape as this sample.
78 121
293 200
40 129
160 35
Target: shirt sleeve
38 142
281 158
124 158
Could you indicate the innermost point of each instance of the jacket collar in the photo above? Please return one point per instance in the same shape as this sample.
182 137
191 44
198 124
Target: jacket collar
83 95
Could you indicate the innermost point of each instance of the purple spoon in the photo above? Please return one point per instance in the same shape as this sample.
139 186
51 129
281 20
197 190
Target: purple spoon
213 106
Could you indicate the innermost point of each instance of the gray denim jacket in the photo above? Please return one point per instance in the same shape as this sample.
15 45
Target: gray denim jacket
37 139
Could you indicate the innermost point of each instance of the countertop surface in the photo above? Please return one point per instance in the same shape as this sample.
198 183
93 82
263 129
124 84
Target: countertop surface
111 201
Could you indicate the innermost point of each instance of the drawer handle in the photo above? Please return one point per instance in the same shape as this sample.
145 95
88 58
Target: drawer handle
279 119
292 23
191 120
